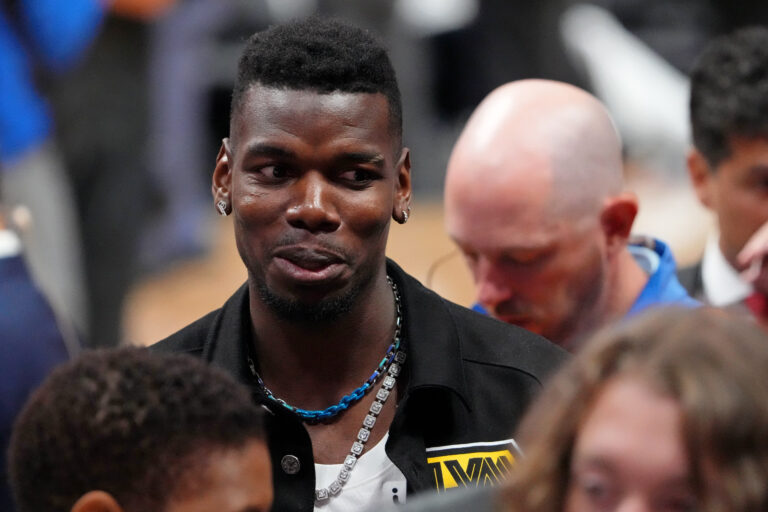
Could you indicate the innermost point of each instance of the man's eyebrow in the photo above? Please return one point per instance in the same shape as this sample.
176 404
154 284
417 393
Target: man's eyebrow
264 149
593 462
362 157
759 169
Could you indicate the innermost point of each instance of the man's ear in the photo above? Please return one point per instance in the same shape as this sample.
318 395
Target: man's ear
401 206
96 501
222 174
616 219
701 176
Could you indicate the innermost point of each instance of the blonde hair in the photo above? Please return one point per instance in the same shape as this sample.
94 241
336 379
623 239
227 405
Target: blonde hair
713 364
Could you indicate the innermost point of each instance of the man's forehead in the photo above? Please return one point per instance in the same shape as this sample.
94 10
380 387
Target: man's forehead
499 234
274 108
262 100
495 229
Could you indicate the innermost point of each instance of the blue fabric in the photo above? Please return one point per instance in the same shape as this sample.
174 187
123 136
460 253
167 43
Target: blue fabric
30 346
662 286
59 32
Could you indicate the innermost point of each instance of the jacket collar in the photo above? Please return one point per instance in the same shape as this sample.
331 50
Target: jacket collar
432 341
228 340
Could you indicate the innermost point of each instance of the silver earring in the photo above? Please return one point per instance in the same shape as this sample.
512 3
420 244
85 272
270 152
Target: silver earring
221 205
405 216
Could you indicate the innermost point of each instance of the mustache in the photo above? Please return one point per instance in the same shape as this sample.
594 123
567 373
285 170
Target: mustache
316 242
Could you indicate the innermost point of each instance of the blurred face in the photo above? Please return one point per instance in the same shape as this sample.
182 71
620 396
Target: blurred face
737 192
238 480
530 269
313 181
629 454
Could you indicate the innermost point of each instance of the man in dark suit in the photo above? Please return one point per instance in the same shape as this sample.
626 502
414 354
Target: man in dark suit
729 165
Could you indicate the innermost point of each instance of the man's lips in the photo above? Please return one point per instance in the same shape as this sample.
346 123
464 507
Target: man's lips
308 264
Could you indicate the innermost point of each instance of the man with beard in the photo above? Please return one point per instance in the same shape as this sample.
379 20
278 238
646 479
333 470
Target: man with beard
534 200
377 387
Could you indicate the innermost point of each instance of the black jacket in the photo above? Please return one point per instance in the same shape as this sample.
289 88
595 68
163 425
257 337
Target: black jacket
468 379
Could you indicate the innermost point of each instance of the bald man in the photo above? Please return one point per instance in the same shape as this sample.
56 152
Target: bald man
534 199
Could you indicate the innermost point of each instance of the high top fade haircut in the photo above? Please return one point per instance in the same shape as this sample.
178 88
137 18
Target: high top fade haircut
322 55
729 92
137 425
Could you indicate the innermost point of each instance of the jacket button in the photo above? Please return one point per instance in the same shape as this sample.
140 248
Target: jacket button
290 464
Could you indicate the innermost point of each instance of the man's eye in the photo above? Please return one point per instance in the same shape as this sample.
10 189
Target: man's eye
359 176
274 172
597 490
524 258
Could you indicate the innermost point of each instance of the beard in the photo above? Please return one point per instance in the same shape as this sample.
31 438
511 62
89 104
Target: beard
326 310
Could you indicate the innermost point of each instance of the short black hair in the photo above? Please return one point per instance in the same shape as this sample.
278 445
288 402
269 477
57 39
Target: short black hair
128 422
319 54
729 92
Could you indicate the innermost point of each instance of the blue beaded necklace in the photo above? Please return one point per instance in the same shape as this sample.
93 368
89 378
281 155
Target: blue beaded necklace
346 401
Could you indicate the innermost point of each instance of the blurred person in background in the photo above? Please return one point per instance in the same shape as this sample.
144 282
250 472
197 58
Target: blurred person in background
40 40
534 200
666 412
32 341
102 112
728 166
124 430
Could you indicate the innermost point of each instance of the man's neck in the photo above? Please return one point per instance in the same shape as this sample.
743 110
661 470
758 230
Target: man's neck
626 282
311 365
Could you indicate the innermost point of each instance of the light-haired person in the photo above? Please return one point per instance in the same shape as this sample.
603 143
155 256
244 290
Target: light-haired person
664 413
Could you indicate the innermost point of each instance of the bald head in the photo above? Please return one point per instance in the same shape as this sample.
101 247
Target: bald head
534 200
542 137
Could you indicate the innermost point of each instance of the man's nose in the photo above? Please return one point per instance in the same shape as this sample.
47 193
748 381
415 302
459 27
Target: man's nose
491 284
634 504
313 207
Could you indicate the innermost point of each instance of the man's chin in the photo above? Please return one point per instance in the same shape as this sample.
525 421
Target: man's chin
315 309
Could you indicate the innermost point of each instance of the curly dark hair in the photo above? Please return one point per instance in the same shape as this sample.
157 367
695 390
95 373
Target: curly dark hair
729 92
319 54
134 424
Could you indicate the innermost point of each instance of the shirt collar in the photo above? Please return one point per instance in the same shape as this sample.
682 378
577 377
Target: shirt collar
722 283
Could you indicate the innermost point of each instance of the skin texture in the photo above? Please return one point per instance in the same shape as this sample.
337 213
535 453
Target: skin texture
534 200
312 181
736 191
238 480
629 453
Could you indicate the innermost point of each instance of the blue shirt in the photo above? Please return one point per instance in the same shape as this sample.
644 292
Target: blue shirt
662 288
30 346
56 32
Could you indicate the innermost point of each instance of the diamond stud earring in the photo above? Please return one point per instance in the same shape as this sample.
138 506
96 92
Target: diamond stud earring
221 205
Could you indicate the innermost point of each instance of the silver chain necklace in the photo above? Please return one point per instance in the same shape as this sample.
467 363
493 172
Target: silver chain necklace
387 384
